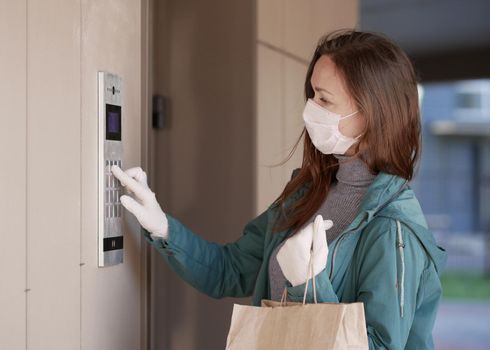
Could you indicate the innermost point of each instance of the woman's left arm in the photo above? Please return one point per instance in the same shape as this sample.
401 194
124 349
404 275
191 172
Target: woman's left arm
387 283
389 277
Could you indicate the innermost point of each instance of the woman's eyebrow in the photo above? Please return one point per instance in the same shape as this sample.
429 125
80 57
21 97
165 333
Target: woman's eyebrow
321 89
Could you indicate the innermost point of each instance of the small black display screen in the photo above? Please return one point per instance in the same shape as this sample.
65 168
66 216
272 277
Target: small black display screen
113 122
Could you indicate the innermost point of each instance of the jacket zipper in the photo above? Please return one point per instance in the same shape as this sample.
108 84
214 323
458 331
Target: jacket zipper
335 250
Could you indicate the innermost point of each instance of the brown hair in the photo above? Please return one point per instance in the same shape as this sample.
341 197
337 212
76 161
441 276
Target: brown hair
382 82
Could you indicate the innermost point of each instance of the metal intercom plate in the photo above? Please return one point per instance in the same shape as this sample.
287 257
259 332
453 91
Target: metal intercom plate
110 152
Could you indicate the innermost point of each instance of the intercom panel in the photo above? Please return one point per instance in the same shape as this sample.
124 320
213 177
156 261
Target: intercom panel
110 152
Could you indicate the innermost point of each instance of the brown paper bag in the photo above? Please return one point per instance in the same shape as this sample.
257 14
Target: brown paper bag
294 325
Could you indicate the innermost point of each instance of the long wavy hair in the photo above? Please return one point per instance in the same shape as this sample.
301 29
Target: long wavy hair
382 82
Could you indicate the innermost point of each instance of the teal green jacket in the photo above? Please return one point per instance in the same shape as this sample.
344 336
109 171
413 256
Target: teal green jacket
386 258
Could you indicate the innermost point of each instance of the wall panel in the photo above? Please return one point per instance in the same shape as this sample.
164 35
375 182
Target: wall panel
13 121
53 180
110 296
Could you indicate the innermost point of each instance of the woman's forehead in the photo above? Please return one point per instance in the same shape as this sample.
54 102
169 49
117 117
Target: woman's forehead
326 76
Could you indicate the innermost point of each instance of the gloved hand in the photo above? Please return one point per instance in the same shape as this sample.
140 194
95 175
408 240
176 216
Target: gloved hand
293 257
145 207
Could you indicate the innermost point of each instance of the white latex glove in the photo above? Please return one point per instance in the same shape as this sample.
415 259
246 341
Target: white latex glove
145 207
293 257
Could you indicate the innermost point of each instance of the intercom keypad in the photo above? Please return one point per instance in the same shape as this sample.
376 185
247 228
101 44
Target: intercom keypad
113 191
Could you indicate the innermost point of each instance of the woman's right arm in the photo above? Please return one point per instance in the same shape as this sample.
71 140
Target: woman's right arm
218 270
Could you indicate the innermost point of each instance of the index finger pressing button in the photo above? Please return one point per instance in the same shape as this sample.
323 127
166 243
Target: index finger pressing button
130 183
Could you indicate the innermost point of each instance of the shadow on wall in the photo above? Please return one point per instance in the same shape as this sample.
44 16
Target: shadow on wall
209 180
226 139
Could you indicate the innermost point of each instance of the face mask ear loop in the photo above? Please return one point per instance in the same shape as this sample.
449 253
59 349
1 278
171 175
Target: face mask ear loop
349 115
358 137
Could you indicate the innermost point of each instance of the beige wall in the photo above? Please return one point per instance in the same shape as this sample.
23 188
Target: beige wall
234 73
287 34
52 294
13 213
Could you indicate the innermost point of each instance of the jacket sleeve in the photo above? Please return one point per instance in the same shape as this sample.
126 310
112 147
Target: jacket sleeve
217 270
389 274
388 277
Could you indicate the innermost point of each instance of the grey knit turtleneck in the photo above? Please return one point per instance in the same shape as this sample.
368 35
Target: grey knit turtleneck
340 206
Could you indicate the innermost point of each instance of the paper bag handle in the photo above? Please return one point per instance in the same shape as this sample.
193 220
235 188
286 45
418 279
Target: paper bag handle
310 276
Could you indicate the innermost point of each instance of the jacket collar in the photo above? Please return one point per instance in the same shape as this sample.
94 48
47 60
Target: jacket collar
384 189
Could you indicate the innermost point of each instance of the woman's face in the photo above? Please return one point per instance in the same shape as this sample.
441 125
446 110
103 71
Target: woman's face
330 94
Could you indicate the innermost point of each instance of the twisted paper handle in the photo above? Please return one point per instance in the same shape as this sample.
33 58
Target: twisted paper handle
310 276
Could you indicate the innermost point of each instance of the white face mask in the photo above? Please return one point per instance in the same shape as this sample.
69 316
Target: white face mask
323 128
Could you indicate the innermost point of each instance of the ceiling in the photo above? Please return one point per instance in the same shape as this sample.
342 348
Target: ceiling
448 39
428 26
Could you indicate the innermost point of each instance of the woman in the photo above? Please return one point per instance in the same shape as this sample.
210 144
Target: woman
361 145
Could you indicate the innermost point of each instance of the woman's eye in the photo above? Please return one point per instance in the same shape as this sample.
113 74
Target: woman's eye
323 100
